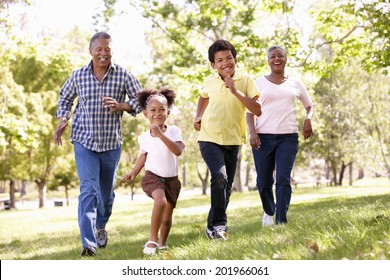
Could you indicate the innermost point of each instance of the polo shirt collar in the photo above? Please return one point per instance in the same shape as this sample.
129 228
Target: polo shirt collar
237 76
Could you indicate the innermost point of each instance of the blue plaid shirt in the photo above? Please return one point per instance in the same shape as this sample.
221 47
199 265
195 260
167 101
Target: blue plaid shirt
92 125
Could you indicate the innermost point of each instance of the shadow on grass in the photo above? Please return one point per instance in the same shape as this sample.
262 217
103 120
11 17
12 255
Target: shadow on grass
334 228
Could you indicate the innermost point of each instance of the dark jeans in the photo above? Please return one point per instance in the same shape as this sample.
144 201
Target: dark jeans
221 161
276 151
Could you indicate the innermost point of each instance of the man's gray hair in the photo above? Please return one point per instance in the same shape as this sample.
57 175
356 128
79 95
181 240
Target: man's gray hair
99 35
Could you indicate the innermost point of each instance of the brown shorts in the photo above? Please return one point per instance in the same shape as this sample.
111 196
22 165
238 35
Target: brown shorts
172 185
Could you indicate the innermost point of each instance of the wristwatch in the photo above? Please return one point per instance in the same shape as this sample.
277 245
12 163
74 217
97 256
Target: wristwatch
63 119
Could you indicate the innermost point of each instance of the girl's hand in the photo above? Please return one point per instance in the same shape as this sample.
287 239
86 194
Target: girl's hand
128 178
156 130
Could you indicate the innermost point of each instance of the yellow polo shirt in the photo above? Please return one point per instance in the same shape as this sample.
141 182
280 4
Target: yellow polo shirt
223 121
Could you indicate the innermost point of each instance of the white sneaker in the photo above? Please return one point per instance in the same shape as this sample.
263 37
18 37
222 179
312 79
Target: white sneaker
268 220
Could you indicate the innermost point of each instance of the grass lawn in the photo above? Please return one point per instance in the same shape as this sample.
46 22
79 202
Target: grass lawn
328 223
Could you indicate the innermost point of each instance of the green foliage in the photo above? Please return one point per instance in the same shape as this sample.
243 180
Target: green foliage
351 29
37 68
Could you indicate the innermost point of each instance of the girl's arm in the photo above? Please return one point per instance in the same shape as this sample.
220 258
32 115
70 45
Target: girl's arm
175 147
129 177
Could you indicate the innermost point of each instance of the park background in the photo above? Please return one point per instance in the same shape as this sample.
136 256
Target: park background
339 49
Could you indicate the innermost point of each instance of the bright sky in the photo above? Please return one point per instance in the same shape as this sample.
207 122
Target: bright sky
59 16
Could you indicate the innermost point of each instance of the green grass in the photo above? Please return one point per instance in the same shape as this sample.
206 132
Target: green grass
328 223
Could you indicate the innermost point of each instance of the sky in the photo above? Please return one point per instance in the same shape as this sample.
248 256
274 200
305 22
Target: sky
60 16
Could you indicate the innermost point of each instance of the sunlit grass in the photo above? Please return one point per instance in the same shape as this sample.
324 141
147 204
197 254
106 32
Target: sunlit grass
329 223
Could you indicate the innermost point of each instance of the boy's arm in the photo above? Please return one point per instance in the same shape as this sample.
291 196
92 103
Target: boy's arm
250 103
202 105
129 177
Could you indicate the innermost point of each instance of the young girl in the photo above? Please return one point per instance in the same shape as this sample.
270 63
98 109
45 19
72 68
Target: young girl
159 151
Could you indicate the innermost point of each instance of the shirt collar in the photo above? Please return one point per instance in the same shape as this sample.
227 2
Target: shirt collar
237 76
112 66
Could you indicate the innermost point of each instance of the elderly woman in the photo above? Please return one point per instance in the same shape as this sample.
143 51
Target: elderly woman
274 134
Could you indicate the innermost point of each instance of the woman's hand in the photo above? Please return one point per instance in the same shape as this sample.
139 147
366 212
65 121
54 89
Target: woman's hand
307 129
254 140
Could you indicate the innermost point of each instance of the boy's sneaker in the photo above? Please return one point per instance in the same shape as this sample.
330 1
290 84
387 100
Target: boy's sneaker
209 233
88 251
268 220
217 232
221 232
101 238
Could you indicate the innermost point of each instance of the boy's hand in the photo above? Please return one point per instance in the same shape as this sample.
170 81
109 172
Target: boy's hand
197 124
229 83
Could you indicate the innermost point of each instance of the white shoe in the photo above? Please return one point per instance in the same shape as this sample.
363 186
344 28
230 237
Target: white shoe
268 220
150 250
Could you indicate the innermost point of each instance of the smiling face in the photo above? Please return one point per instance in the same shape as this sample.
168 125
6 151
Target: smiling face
224 63
157 110
277 60
101 52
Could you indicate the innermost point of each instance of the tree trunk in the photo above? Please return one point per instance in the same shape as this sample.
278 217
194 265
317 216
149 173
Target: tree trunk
361 173
203 180
334 172
237 186
341 175
385 160
247 174
42 192
23 190
184 175
350 174
67 195
12 203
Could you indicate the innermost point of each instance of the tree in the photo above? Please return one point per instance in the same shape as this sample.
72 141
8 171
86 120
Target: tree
351 119
345 29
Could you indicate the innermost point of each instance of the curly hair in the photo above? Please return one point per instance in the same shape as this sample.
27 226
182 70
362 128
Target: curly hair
146 95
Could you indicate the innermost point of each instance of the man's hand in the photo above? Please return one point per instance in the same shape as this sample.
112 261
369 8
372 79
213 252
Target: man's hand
60 130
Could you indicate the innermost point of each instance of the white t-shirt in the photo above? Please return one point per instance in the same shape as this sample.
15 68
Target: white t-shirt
160 160
277 105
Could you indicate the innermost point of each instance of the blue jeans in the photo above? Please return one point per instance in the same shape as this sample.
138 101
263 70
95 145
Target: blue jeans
97 172
276 151
221 161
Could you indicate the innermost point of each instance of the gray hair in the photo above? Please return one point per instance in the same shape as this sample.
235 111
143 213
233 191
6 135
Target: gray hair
99 35
276 47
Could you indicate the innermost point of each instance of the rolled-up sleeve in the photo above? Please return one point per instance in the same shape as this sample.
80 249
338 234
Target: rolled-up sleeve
67 97
132 88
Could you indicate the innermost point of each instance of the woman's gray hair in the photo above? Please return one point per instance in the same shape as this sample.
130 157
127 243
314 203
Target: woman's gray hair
270 49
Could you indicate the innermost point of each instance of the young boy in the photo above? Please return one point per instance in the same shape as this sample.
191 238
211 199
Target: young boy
220 118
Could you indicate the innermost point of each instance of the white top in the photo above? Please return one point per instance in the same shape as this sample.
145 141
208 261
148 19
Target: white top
277 105
160 160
